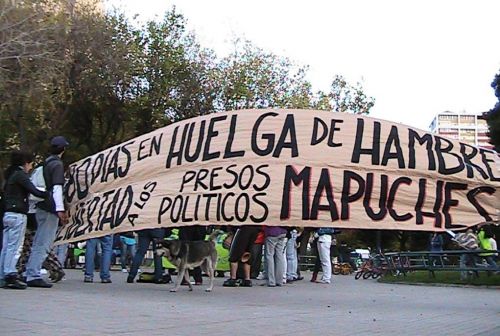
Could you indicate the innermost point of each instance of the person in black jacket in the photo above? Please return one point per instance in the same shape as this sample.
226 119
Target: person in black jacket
17 189
50 213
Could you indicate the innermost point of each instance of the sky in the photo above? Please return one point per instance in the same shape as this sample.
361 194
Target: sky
416 58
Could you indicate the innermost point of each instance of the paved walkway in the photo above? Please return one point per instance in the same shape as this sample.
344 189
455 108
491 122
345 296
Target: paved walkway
347 307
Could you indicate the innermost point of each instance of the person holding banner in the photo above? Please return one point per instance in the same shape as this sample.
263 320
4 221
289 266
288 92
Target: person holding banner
146 237
17 188
49 214
275 258
240 249
468 241
291 256
127 248
324 243
105 261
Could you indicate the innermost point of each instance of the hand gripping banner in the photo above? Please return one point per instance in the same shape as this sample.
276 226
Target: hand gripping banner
287 168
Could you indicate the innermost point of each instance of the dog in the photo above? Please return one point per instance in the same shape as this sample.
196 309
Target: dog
189 254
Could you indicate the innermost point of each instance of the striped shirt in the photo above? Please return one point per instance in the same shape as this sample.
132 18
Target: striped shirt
467 240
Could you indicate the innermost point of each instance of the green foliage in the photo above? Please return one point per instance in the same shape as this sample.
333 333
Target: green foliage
344 97
444 277
30 61
493 116
99 80
176 79
251 78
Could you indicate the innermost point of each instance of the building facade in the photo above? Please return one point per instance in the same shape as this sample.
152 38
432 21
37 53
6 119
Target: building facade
464 127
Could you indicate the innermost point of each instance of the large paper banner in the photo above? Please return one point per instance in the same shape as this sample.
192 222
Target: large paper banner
287 168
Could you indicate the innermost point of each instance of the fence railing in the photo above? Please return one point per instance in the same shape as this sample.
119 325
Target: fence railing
454 260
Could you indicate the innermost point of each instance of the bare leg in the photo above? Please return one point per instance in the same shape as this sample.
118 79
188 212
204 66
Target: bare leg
233 270
246 271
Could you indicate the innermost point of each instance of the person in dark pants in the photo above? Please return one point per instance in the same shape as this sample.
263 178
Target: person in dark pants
193 233
256 252
317 262
240 248
146 237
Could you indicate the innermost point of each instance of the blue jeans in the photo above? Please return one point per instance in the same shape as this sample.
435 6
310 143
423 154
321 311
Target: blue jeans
47 224
145 238
125 251
490 260
61 252
291 258
90 250
466 259
13 238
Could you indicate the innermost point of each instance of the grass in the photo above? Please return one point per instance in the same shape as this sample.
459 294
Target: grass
443 277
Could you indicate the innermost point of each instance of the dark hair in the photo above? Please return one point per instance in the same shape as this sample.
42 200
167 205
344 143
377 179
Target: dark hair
56 150
18 158
488 231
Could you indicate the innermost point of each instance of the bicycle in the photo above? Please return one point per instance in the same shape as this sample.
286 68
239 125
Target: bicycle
365 268
341 268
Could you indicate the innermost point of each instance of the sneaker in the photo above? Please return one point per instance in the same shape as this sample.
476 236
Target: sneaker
43 271
130 279
88 279
12 282
16 285
108 280
261 276
139 271
230 283
124 270
323 281
246 283
40 283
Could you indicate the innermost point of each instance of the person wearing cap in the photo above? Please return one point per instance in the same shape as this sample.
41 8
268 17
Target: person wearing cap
49 213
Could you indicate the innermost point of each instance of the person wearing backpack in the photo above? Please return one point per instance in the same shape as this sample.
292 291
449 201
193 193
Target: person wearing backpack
17 188
49 213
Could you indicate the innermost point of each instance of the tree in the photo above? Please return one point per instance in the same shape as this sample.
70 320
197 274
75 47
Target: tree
252 78
177 77
344 97
493 115
76 77
29 61
103 68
